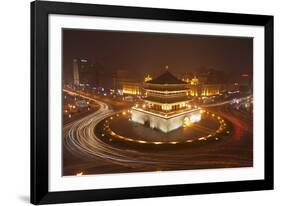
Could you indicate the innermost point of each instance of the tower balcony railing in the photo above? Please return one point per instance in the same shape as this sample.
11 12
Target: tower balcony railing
167 113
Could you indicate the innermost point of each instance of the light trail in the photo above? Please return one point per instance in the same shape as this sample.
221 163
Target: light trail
80 139
240 100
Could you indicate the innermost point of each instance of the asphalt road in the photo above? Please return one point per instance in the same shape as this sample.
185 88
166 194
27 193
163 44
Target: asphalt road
85 152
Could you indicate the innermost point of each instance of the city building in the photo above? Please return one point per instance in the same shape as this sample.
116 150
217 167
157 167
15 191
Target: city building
166 106
76 80
128 83
205 85
131 88
205 90
84 72
246 83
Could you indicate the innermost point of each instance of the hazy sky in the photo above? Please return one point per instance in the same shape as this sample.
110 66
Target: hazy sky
141 51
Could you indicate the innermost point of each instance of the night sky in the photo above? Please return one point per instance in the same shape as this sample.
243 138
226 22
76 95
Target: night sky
149 52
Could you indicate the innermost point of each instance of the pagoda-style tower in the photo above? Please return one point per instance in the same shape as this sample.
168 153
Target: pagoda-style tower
166 106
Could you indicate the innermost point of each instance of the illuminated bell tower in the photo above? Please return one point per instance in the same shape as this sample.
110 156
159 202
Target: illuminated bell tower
76 72
166 106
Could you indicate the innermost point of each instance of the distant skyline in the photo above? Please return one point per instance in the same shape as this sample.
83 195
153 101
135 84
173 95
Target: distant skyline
145 52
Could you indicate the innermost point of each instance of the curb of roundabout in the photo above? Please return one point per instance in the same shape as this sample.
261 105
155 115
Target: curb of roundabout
107 134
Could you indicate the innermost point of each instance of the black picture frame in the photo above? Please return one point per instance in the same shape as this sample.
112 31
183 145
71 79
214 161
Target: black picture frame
39 102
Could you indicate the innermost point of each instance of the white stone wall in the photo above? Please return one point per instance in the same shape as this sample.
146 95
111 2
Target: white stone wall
138 116
163 124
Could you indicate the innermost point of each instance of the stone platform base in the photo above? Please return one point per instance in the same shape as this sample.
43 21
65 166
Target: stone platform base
165 123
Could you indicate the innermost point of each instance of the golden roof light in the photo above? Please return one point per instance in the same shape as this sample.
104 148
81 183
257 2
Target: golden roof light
194 81
147 78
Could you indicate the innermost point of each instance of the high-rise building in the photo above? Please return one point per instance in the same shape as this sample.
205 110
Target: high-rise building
76 72
83 72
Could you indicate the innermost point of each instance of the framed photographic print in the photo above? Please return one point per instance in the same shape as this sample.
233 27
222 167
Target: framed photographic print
133 102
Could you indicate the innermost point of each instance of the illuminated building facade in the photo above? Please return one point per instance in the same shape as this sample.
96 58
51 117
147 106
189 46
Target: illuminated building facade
210 90
128 83
166 106
207 83
205 90
202 89
134 88
131 88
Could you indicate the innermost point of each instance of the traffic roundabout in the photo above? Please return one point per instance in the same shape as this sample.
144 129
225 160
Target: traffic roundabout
118 127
